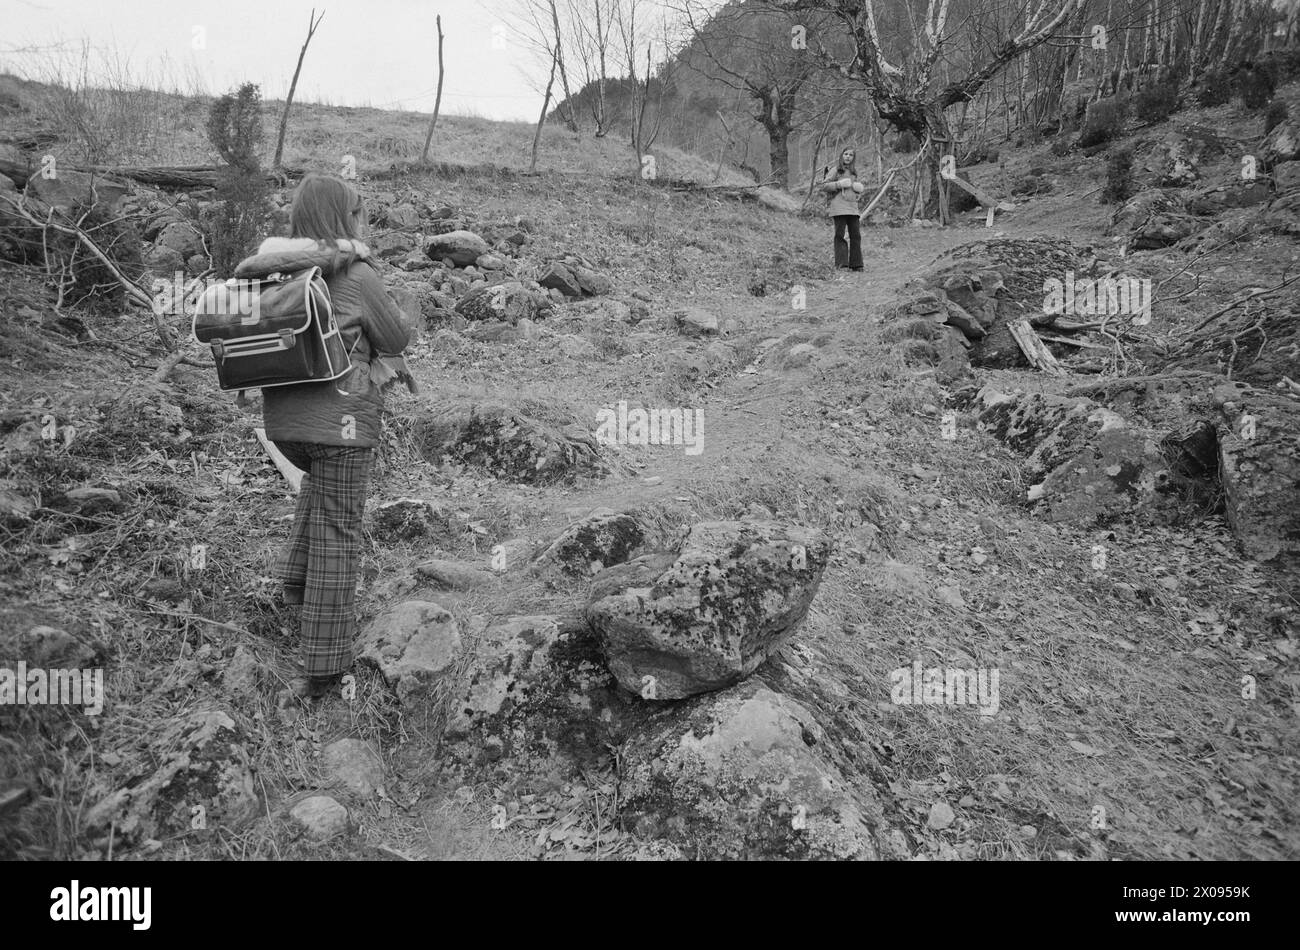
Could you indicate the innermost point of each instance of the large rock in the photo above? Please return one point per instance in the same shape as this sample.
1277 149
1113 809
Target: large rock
1085 463
1236 194
976 289
182 238
461 247
1153 219
403 216
556 276
600 540
758 770
414 645
1259 468
49 648
412 519
591 281
71 189
508 443
695 322
927 343
453 575
735 592
509 302
202 783
1177 159
354 765
163 261
739 776
1282 216
1282 144
320 817
501 671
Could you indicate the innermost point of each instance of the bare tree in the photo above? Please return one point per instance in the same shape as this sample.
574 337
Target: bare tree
751 51
536 23
905 89
632 34
437 102
541 119
312 23
566 110
591 23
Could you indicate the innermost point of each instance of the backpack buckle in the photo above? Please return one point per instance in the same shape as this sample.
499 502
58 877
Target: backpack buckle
287 341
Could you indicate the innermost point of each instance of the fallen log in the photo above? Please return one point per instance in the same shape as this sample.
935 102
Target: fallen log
179 177
1039 356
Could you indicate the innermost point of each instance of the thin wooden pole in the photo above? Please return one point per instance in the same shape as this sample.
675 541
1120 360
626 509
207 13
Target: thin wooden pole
312 23
541 119
437 102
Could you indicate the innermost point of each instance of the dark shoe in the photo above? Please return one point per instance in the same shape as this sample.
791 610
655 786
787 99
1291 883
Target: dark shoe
318 686
314 687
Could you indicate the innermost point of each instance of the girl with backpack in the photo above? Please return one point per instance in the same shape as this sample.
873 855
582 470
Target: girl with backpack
330 429
842 186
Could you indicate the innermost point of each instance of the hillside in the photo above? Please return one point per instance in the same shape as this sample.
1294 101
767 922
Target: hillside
1104 539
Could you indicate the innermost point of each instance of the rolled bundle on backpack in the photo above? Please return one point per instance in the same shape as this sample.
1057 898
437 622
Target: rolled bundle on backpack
385 370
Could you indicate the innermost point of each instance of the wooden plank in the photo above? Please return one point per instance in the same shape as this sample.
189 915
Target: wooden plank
1068 342
292 473
980 196
1039 356
879 194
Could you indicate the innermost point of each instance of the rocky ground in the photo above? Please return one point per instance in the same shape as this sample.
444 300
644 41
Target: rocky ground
573 649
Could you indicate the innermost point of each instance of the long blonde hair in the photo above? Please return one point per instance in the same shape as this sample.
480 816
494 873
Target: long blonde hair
852 167
326 208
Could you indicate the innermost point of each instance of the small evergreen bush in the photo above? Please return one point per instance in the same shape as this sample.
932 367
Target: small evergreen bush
1119 177
1277 114
1103 122
1214 88
1156 102
238 216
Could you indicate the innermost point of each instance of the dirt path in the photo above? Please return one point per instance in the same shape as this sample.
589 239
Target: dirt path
1123 732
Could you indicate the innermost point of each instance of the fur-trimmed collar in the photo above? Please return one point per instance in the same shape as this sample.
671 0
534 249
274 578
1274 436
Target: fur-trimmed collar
281 245
285 255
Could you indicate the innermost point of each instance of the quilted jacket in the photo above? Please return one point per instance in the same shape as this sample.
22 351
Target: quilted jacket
346 411
839 200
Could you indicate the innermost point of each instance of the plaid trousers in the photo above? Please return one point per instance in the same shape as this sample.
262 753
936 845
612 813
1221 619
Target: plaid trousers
323 552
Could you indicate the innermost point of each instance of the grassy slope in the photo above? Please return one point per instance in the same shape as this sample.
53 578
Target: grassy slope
1148 685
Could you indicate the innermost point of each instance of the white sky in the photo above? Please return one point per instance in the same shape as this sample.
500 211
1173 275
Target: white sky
366 52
